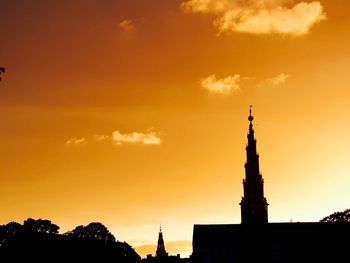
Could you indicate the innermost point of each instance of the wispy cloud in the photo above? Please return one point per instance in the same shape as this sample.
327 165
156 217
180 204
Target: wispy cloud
148 138
75 142
100 138
222 86
207 6
274 81
260 16
127 25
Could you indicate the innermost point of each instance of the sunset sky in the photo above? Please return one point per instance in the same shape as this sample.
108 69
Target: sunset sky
133 113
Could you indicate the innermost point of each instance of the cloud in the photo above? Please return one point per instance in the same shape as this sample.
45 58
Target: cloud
260 16
221 86
231 84
100 138
149 138
206 6
274 81
127 25
75 142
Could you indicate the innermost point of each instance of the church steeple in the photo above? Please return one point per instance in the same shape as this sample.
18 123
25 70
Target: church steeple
160 247
253 204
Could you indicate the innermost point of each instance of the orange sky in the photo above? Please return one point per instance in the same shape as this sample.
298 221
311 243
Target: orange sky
134 113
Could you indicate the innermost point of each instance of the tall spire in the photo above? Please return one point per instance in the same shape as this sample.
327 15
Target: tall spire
253 204
160 247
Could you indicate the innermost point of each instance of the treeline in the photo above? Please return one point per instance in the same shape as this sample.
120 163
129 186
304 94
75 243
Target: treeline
93 230
39 241
337 217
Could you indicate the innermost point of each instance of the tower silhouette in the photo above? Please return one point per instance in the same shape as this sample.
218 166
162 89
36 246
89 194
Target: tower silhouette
253 204
160 247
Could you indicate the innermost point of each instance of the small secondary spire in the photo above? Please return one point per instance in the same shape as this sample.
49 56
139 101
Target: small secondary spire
161 252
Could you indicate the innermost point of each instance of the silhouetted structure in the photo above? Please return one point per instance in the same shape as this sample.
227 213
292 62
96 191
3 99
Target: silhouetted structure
162 256
29 246
160 246
256 240
337 217
253 204
272 243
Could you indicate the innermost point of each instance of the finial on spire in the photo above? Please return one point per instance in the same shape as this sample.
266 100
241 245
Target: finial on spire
250 118
160 228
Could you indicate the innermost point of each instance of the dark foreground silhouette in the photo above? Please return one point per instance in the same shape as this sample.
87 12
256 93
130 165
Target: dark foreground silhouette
29 246
257 240
272 243
39 241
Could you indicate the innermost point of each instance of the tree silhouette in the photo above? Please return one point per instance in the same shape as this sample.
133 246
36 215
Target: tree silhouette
9 230
93 230
40 226
342 216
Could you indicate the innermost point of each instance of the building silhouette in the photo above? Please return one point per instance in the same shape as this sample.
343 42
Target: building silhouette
162 256
160 246
253 204
257 240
